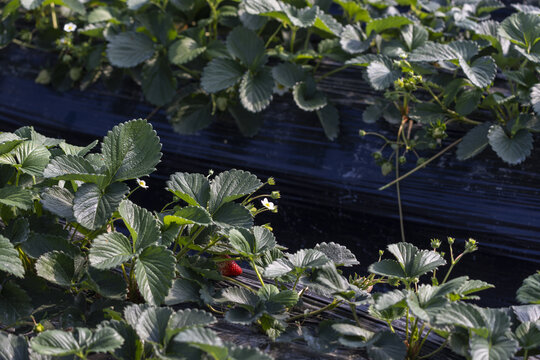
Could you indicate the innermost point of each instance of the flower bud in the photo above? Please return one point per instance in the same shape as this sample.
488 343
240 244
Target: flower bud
435 243
362 133
451 240
471 245
271 181
276 195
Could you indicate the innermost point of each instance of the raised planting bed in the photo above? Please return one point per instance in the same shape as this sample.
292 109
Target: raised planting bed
85 270
329 189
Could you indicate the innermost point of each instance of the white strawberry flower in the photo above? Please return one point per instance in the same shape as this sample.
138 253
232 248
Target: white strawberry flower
267 204
70 27
142 183
280 89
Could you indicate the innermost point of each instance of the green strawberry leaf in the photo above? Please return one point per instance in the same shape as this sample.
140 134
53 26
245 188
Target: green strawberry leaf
13 347
529 292
92 206
72 167
16 196
244 45
184 50
252 242
110 250
231 185
9 258
154 273
513 150
58 268
220 74
192 188
142 225
256 89
474 142
15 304
129 49
58 201
158 82
131 150
152 324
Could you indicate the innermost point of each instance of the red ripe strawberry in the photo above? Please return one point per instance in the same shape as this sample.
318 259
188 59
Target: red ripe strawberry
229 268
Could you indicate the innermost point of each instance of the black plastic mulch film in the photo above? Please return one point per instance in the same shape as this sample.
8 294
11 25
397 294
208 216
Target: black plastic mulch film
329 189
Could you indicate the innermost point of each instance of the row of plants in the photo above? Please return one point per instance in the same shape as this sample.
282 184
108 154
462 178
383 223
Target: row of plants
438 63
85 270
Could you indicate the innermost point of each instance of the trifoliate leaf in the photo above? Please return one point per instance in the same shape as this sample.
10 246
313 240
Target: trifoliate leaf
233 215
152 324
390 299
129 49
529 292
154 272
301 17
527 313
192 188
17 231
92 206
58 268
220 74
288 74
411 262
474 142
496 347
62 343
386 345
9 258
191 317
535 98
231 185
414 36
381 74
252 243
528 335
351 41
521 29
30 157
389 22
16 196
158 82
339 254
38 244
72 167
431 52
246 46
468 101
107 283
58 201
8 141
256 89
205 339
328 24
329 118
13 347
427 302
131 150
512 150
110 250
301 260
184 50
189 215
240 296
307 97
15 304
481 72
142 225
183 291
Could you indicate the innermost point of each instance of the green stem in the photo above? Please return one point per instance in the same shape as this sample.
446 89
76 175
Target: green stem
293 38
17 177
296 281
185 249
454 262
125 273
435 351
274 34
257 272
306 42
332 72
53 17
424 164
212 243
239 283
398 192
355 315
330 306
424 339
